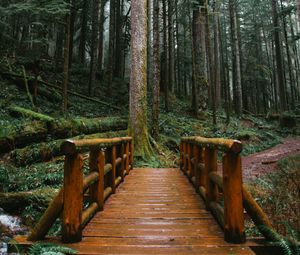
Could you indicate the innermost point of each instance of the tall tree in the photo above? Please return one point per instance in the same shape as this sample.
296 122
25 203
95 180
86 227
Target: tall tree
171 62
94 44
279 65
101 34
165 70
111 47
138 78
66 61
236 58
199 86
83 30
156 70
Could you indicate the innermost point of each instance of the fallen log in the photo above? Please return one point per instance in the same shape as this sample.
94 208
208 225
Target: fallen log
20 111
19 136
81 96
16 136
43 152
15 202
51 95
19 80
63 128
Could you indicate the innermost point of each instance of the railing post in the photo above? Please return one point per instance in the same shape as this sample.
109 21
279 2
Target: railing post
73 199
211 165
194 169
181 156
233 199
113 170
131 154
97 163
127 157
197 167
184 151
123 161
189 163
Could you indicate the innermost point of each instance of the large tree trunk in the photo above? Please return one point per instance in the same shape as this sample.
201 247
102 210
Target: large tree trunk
66 62
236 59
279 66
101 35
111 47
165 70
217 58
138 78
118 69
171 47
83 31
199 86
94 45
72 28
156 70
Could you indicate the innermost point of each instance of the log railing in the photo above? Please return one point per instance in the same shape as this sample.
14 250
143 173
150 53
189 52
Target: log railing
199 163
198 160
82 196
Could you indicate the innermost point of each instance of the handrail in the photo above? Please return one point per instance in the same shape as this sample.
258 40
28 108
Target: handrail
109 161
198 160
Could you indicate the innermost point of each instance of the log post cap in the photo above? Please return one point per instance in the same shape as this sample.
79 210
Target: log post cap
68 147
227 145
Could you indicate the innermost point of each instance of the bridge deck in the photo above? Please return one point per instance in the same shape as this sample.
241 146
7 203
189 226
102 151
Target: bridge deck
155 211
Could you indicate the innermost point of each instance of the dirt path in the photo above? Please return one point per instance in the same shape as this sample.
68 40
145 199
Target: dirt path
264 162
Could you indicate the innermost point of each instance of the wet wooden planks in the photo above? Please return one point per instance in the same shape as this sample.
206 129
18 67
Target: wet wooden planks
155 211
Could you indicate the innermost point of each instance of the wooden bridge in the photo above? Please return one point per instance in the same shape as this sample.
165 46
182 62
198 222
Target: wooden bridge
153 211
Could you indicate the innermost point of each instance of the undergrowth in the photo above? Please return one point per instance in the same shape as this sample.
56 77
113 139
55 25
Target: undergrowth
279 194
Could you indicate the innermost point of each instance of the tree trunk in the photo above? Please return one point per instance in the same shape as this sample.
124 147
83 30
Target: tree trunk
279 66
66 63
156 70
118 70
94 45
72 28
171 46
217 58
199 86
236 58
101 36
138 78
165 54
83 31
111 47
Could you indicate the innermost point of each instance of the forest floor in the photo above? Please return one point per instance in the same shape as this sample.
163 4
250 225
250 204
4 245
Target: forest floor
258 164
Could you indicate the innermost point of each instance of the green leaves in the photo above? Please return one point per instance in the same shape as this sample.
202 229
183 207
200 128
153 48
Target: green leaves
50 249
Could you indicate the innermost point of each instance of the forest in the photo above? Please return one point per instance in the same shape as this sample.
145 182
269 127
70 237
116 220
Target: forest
156 71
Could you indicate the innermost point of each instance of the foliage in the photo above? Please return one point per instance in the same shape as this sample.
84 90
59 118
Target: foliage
278 193
50 249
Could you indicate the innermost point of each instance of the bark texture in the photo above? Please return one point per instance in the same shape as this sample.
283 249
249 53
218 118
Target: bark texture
138 78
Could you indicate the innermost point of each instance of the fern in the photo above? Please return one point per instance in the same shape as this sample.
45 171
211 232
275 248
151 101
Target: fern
50 249
284 244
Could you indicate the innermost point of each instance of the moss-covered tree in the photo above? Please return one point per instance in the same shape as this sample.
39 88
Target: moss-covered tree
138 78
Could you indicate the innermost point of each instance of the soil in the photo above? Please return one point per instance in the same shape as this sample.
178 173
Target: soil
264 162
